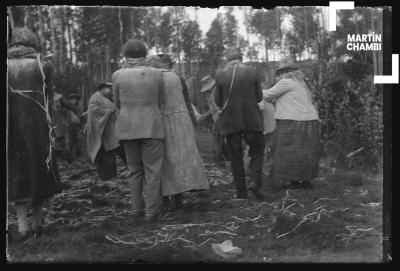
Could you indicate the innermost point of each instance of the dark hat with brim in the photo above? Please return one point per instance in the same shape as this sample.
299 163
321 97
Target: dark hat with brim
166 59
208 83
103 85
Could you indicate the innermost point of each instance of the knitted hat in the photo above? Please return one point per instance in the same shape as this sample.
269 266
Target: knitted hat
134 48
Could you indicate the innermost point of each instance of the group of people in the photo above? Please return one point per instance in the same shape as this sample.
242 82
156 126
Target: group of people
146 118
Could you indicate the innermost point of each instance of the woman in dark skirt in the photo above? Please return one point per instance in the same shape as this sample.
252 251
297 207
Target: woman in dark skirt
32 175
297 136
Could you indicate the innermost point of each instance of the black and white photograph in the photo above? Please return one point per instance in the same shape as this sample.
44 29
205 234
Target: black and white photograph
194 134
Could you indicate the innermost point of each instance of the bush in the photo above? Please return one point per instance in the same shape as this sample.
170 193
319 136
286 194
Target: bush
352 117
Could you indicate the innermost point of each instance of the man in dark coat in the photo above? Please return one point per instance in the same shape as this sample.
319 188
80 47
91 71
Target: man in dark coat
31 171
238 92
138 92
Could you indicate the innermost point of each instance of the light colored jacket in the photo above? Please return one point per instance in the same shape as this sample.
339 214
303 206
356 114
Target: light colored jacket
293 100
138 92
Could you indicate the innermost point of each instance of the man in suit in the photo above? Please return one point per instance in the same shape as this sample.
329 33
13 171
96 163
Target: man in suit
138 93
238 92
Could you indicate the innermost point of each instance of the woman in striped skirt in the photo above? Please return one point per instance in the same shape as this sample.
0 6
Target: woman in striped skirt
297 136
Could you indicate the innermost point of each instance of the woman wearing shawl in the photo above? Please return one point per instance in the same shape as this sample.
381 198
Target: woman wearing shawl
296 141
32 174
183 168
101 141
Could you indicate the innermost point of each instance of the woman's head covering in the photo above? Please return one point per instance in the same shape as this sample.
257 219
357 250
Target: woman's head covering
287 65
134 48
154 61
166 60
25 37
232 53
208 82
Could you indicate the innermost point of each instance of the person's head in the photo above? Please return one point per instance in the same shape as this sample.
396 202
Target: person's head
286 66
232 53
74 98
167 61
134 48
106 90
25 37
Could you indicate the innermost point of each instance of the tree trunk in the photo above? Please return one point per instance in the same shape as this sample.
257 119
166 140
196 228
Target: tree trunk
306 30
70 40
41 30
121 27
132 25
54 39
107 61
62 41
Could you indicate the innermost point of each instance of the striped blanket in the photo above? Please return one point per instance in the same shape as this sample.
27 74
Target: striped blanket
101 111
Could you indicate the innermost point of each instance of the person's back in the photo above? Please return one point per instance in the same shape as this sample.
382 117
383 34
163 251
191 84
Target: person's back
139 93
31 169
174 100
241 111
238 92
138 98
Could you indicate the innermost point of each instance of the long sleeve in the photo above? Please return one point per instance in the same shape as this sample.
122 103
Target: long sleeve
218 92
187 101
276 91
115 92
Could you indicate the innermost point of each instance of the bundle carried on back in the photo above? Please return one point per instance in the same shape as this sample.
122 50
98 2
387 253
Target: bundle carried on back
32 171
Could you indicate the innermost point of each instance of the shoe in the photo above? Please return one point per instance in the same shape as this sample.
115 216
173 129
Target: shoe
14 236
37 232
306 185
241 196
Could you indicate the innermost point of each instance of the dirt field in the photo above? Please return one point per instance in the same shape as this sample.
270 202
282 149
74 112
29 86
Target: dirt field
339 221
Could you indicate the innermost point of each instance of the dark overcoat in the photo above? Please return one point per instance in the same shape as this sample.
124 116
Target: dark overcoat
241 111
29 178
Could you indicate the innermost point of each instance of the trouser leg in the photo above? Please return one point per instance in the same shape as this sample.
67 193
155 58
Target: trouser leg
134 160
235 151
152 151
37 215
218 142
256 142
121 153
22 216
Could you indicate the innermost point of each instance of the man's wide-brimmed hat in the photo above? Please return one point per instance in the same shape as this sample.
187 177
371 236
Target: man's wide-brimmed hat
103 85
232 53
287 64
208 82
